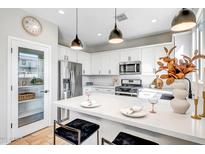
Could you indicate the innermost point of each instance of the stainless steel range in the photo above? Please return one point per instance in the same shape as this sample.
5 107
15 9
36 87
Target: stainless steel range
129 87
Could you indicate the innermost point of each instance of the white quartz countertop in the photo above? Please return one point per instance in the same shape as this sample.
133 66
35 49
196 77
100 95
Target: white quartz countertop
164 121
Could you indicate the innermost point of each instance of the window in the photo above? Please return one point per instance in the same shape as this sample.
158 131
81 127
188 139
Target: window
197 43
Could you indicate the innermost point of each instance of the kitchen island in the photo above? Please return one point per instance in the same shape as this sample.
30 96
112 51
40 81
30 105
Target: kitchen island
163 127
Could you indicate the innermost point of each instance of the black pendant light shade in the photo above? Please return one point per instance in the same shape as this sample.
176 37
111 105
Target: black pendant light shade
184 20
76 44
115 35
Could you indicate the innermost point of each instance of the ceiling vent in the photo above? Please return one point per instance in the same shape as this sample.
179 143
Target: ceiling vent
121 17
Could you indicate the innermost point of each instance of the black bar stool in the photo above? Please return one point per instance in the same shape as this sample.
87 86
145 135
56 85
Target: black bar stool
76 131
127 139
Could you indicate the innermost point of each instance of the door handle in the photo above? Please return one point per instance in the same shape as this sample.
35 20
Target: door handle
44 91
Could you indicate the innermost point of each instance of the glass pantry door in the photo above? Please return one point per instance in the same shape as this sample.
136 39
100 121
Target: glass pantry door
30 88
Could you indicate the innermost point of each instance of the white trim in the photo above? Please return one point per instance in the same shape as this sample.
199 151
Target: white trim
9 93
198 14
9 104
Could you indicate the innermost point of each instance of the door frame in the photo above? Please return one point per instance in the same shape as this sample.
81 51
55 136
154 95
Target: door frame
9 83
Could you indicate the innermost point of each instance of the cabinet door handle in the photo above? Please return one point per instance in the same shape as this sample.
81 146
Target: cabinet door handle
83 71
44 91
65 57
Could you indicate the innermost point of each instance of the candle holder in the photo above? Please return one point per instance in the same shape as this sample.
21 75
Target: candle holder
203 114
196 116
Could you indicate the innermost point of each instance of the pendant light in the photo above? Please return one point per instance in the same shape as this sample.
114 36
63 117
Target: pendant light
115 35
76 44
184 20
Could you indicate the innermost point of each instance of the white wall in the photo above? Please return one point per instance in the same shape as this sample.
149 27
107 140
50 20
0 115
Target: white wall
11 26
183 42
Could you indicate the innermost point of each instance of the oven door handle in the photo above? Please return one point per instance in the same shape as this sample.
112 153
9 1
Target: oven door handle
135 68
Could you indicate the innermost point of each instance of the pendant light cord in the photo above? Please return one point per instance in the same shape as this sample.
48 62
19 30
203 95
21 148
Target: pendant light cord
76 21
115 17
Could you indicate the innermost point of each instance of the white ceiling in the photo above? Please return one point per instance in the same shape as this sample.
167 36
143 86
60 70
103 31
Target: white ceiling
101 20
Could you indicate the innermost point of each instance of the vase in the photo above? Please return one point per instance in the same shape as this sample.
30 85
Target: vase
180 104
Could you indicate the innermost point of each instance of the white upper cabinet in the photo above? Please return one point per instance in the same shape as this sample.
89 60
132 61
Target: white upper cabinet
84 58
148 60
130 54
105 63
67 53
96 63
159 52
110 62
150 56
114 62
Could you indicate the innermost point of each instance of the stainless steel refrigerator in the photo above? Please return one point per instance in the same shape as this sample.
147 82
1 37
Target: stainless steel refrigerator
69 84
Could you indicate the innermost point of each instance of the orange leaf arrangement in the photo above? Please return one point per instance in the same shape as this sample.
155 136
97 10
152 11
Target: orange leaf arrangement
176 69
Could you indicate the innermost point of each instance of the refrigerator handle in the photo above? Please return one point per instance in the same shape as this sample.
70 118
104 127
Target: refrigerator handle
72 83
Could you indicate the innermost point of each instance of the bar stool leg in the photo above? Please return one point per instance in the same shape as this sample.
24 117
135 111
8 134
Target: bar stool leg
54 136
54 139
98 137
102 141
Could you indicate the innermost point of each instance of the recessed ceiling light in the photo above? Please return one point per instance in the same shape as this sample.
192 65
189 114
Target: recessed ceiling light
99 34
61 12
154 20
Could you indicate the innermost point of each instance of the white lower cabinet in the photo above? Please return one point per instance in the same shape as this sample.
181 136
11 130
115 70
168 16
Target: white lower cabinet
103 90
98 89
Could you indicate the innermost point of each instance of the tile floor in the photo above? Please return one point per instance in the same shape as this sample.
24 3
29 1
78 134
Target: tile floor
41 137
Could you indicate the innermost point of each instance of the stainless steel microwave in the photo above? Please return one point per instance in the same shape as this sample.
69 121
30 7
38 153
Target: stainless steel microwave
130 68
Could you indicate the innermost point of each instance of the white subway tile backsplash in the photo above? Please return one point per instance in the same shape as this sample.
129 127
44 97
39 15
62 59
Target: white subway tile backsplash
100 79
108 80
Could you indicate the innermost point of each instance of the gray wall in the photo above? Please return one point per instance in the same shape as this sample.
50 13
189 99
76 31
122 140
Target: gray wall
11 26
136 42
142 41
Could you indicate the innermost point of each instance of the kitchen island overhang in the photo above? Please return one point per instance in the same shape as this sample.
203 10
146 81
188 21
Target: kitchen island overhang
164 127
